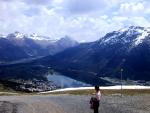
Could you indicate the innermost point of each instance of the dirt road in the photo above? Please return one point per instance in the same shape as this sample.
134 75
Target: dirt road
73 104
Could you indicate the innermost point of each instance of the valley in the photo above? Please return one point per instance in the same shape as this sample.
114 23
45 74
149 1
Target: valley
74 56
94 63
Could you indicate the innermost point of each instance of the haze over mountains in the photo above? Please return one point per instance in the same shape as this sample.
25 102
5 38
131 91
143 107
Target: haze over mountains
17 46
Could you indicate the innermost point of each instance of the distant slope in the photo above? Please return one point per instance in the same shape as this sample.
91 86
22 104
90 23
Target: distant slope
10 52
62 44
18 46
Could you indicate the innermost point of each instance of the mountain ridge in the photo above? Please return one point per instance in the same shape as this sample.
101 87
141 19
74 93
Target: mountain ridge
107 59
92 61
28 47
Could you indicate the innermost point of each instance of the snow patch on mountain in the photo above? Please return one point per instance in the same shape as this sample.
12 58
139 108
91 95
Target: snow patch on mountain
34 36
133 34
123 29
112 39
19 35
143 35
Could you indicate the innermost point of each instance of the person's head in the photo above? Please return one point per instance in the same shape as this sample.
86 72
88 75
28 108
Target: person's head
97 88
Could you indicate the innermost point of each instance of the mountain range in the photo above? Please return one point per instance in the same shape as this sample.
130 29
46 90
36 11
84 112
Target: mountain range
18 46
125 51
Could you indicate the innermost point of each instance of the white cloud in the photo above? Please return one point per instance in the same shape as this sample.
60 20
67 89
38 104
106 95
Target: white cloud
140 21
131 8
82 19
84 6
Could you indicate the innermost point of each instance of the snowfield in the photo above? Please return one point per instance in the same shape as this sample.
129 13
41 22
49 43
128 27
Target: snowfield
108 87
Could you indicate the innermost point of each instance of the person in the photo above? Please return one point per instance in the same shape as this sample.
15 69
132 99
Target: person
95 100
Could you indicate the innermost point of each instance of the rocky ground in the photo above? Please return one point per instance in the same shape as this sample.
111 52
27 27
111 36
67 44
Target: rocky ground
73 104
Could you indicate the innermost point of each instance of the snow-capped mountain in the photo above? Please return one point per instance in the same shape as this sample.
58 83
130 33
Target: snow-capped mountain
39 37
127 48
19 35
31 46
133 34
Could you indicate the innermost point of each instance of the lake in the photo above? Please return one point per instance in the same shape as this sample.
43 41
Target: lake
64 81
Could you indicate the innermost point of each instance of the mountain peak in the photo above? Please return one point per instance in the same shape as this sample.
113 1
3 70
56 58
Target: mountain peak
19 35
16 35
34 36
132 34
67 39
131 28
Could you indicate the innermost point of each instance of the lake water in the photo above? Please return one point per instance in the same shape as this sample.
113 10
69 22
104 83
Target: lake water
65 82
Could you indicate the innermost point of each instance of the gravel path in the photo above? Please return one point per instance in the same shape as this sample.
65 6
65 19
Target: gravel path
73 104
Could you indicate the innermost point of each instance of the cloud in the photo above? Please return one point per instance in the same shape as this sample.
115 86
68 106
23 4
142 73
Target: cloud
132 8
84 6
38 2
81 19
30 2
7 0
140 21
31 11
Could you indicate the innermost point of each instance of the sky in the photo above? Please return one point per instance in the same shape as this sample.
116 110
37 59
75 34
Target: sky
83 20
